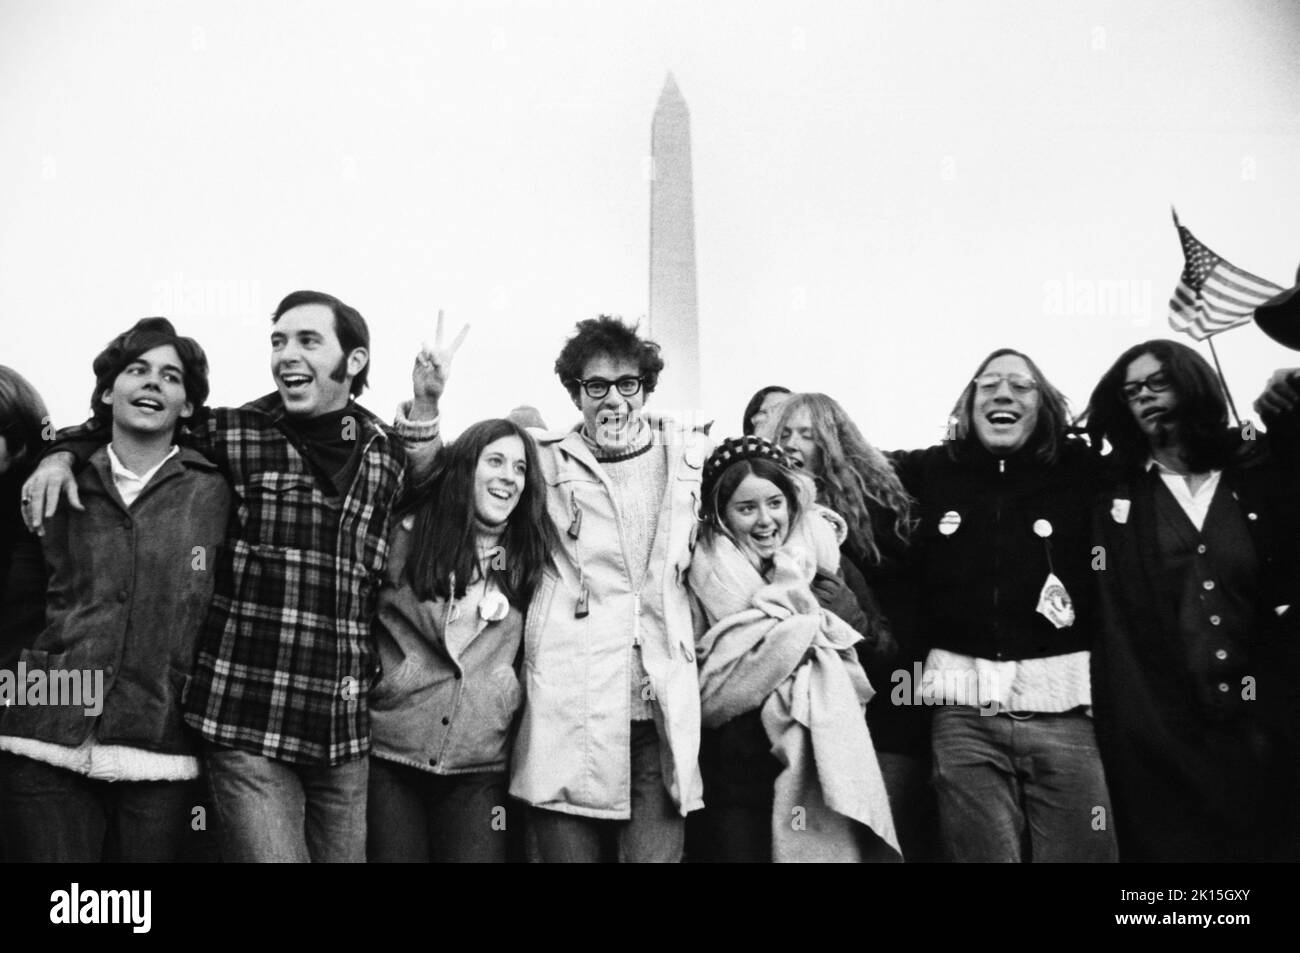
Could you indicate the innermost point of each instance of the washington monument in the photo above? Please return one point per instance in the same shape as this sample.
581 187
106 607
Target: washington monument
674 321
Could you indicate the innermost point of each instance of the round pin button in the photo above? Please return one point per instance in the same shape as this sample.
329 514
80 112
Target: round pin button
1042 528
949 522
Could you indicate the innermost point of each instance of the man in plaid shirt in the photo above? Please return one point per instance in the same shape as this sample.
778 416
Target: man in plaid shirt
285 662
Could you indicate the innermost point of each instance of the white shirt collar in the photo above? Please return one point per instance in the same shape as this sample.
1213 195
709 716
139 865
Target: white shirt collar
128 483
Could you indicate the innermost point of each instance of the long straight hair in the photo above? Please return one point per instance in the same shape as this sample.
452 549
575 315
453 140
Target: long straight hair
444 540
1050 432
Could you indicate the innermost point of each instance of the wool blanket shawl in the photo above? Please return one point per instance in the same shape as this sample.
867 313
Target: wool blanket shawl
770 646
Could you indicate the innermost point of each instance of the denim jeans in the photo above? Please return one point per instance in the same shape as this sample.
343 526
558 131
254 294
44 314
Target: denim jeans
276 812
53 815
654 834
415 816
1021 788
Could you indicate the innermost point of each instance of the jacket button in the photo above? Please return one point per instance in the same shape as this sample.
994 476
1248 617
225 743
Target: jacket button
1252 516
108 670
433 762
122 595
1201 549
1223 686
1208 584
446 720
1221 654
457 676
1215 620
126 524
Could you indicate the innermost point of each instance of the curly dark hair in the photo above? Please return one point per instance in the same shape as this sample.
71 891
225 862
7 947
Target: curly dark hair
607 335
1201 415
147 334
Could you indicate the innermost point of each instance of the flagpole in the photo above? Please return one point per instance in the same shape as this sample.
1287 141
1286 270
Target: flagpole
1223 381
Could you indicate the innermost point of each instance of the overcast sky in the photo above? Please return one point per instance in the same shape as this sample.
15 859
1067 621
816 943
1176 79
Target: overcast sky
884 191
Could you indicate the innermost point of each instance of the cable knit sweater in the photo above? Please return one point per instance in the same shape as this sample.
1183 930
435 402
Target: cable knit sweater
637 481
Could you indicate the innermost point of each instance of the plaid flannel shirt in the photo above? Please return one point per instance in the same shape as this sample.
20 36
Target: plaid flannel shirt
285 659
286 662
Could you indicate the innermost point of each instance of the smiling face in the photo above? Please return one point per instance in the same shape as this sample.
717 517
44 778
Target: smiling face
1004 414
611 420
1153 411
499 479
798 438
148 396
758 517
311 372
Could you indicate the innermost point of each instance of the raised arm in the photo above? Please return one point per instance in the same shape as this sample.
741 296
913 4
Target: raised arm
417 422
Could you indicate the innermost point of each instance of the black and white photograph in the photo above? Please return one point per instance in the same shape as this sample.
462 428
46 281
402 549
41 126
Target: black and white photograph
615 431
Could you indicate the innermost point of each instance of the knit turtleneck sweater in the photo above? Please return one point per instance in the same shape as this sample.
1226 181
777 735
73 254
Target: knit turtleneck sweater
638 477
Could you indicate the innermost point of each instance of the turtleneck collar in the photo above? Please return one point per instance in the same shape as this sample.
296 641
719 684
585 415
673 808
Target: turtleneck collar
639 443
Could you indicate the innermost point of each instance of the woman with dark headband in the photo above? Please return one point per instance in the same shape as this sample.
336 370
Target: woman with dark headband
780 783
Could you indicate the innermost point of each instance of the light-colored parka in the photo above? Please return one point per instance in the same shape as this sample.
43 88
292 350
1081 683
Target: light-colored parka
573 752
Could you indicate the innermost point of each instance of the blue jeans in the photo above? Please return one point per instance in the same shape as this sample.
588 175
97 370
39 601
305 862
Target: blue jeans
53 815
656 832
416 816
1021 788
276 812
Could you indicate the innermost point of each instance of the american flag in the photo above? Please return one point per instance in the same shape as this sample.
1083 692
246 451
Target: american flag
1212 294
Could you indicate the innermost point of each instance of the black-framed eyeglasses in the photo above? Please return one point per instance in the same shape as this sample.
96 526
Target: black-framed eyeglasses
598 387
1020 383
1156 383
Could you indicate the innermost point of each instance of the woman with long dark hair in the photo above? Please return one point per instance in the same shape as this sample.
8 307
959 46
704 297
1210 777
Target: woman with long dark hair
462 568
1195 667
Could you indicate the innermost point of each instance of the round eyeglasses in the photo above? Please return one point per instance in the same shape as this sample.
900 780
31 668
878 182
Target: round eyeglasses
598 387
1019 383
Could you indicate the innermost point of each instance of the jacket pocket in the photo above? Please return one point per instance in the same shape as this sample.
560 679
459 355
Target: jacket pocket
280 509
509 694
393 686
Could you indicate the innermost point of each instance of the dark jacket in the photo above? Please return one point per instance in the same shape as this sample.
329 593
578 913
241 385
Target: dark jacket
978 561
888 596
1198 773
22 574
128 593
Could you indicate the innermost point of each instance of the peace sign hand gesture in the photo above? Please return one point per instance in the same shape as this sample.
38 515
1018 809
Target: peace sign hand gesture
432 365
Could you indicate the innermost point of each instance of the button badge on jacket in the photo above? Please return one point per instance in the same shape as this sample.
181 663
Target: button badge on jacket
949 522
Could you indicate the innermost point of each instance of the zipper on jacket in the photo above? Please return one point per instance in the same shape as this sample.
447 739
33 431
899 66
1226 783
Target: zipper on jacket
636 618
997 552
